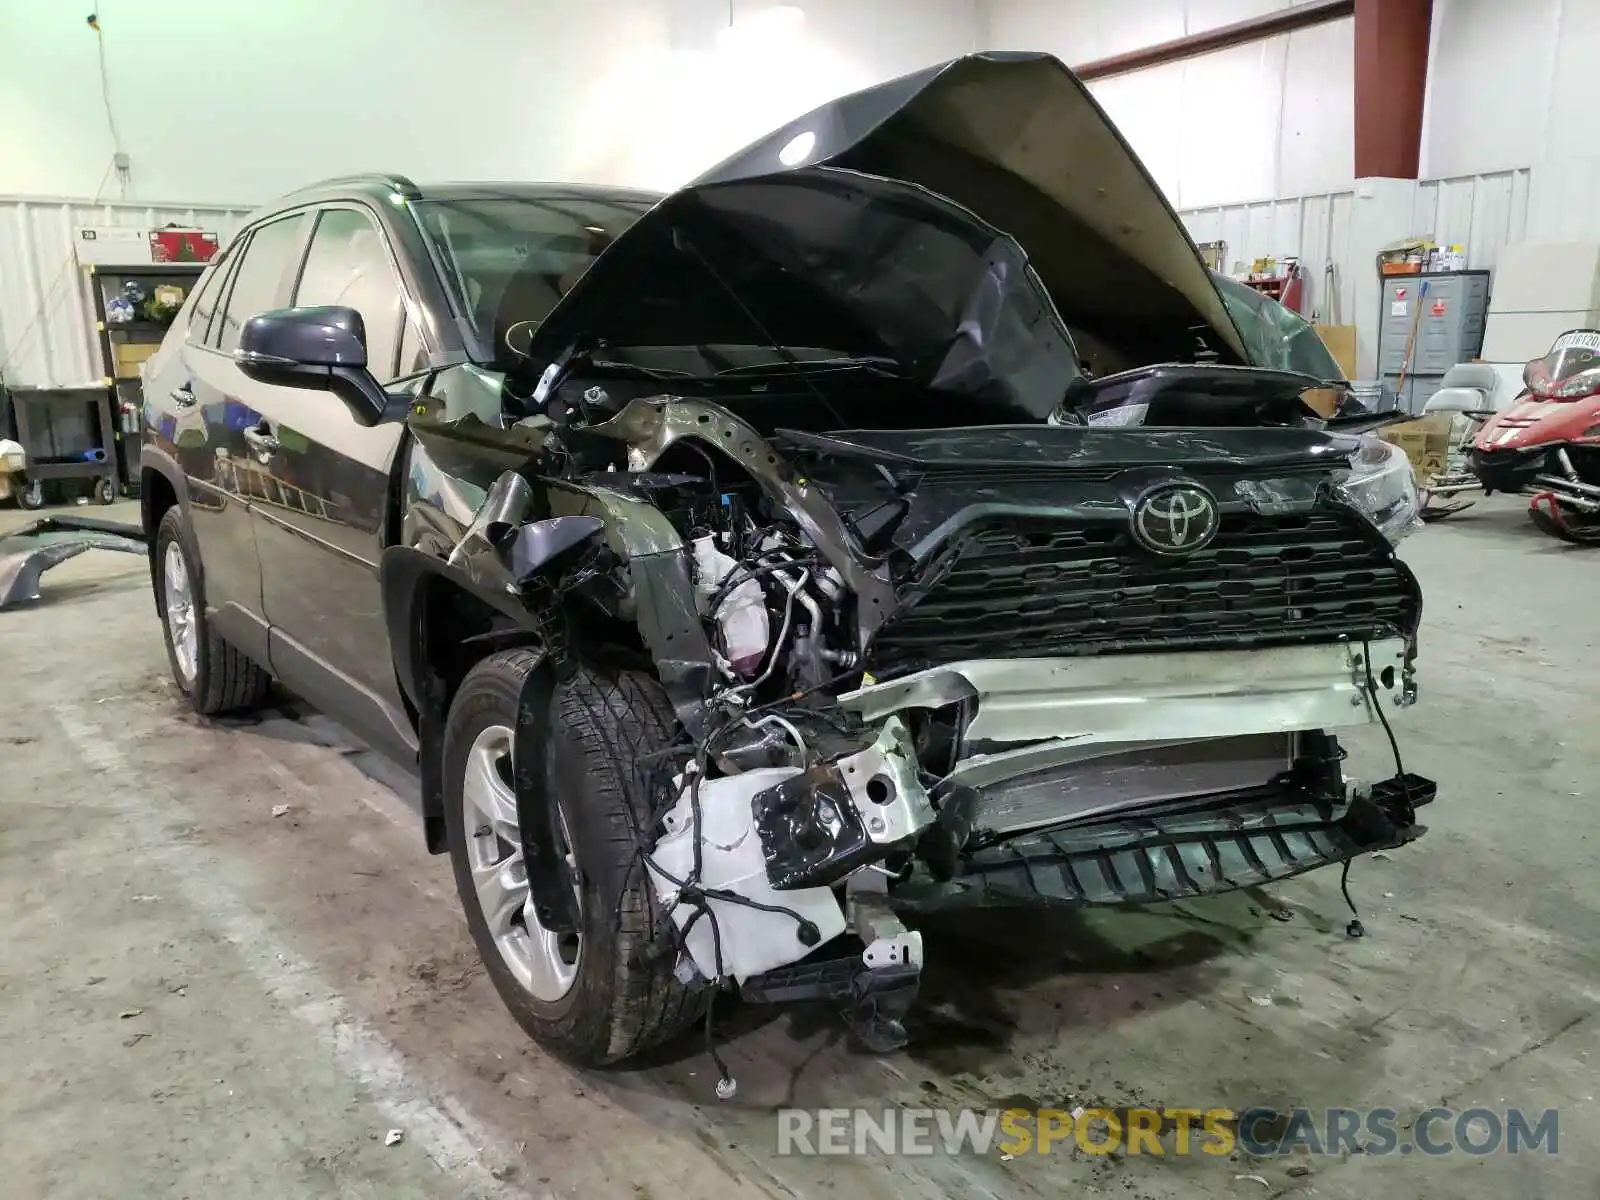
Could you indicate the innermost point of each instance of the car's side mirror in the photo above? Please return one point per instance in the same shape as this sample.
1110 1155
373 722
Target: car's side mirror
323 348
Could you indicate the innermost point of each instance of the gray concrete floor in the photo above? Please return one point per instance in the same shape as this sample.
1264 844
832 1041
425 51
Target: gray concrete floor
200 999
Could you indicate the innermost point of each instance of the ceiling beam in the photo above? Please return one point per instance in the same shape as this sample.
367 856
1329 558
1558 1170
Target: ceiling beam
1255 29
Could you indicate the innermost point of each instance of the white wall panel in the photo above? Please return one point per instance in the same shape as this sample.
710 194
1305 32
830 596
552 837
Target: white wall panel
1069 29
1500 82
1228 120
1570 122
240 102
1128 27
1317 130
1144 108
1564 200
46 315
270 97
1200 15
1272 118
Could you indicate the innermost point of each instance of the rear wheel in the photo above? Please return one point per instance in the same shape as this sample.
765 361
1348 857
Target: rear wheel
214 675
600 995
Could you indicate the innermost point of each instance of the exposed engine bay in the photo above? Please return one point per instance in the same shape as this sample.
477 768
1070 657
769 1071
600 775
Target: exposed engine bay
1069 662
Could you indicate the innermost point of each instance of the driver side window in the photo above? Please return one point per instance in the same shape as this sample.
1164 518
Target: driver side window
258 280
348 264
205 302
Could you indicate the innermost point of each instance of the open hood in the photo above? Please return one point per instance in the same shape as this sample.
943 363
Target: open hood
971 221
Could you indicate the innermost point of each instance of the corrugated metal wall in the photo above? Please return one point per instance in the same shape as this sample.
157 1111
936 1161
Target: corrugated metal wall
1555 201
1316 229
1480 213
46 322
1564 201
47 336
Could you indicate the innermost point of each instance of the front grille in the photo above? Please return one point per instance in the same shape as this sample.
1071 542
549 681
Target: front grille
1020 588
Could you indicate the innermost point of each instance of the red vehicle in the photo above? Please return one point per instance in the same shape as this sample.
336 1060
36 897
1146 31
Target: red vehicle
1547 443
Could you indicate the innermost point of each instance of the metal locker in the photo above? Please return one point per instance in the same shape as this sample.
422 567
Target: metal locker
1447 311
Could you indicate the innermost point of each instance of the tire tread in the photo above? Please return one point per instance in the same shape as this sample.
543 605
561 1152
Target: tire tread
610 719
619 718
226 679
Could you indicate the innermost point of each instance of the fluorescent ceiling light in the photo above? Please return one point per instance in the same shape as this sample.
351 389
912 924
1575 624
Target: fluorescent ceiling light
797 149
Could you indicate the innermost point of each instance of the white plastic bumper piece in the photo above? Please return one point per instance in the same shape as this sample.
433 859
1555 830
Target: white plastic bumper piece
1155 697
753 940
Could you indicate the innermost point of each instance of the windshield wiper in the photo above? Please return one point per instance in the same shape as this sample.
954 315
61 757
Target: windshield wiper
638 370
877 364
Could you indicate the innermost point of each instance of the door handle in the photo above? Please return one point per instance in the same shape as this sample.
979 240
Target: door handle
183 396
259 438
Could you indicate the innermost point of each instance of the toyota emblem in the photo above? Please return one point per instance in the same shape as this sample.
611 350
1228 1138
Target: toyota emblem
1178 518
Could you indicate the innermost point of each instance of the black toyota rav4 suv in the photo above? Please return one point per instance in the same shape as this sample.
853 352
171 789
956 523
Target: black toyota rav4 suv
897 516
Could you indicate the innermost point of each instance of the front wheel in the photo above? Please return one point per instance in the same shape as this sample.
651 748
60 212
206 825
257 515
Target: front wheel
32 495
600 994
214 675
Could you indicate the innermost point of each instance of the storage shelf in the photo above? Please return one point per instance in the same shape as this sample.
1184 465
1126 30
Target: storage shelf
1271 285
148 327
178 268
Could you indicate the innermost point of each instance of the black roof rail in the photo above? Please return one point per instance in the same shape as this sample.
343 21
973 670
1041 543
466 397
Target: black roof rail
389 179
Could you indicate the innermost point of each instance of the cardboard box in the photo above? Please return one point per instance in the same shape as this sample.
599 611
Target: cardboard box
130 355
182 246
1425 441
1341 343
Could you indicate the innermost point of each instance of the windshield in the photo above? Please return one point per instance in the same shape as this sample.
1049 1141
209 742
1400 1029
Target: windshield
1573 353
509 259
1274 336
838 271
1569 370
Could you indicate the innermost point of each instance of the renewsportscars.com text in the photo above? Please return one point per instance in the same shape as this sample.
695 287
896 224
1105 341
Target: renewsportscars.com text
1210 1132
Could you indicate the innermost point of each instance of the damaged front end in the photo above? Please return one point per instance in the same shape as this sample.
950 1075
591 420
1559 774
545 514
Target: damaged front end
1011 664
1046 705
805 441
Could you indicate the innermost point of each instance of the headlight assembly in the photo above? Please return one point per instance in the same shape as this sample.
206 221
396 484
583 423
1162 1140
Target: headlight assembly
1382 485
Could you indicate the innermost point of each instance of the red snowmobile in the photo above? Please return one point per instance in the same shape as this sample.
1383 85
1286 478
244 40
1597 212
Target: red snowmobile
1547 442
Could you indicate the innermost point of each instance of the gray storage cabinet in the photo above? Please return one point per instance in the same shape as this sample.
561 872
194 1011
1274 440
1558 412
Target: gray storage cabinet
1447 309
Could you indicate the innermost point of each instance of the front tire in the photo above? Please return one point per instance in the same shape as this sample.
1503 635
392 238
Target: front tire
214 675
603 996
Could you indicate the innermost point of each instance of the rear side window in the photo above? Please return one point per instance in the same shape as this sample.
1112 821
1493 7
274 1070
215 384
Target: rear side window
255 283
205 303
347 264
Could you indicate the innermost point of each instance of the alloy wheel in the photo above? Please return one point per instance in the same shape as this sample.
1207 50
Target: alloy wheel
181 625
544 962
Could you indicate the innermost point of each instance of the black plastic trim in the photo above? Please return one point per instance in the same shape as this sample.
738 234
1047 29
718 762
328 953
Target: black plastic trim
1235 843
